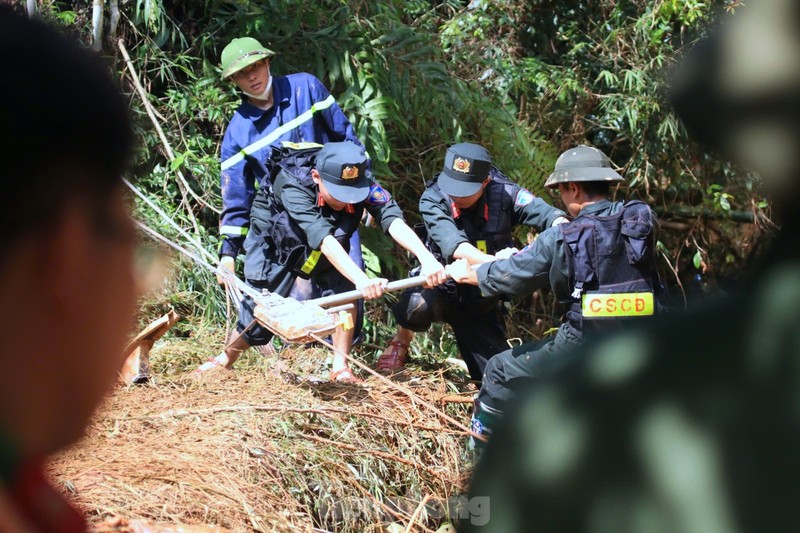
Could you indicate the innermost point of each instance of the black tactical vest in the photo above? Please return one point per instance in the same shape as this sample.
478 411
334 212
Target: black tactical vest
489 231
612 268
283 236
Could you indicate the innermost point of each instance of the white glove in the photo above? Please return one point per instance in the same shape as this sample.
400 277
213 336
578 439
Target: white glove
459 270
228 263
505 253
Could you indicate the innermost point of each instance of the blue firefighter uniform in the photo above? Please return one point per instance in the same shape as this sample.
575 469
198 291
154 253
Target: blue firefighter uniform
303 111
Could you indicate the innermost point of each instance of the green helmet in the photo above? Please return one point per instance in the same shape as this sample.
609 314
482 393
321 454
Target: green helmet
582 163
242 52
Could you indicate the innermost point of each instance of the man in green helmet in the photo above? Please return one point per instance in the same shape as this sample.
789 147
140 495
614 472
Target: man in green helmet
601 264
275 110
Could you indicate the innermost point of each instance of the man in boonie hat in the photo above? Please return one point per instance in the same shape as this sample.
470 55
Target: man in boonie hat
469 212
294 108
602 264
302 228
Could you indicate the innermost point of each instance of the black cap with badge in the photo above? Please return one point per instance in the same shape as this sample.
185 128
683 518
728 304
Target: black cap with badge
343 167
466 167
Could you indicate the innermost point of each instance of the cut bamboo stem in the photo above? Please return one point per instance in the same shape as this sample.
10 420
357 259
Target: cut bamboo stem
183 185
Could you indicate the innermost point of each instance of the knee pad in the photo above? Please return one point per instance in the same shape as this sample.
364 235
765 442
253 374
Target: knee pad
416 310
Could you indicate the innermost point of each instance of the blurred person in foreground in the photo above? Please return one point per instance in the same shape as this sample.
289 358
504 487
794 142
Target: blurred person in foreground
67 293
691 424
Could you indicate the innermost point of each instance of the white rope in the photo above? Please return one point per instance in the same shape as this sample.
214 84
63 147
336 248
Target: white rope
185 234
236 286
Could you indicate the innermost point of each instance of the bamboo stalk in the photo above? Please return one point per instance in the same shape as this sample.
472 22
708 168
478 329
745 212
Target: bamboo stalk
182 184
97 25
327 412
691 212
113 21
377 453
417 512
405 390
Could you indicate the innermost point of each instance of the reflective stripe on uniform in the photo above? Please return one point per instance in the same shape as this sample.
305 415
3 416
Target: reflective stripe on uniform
276 133
300 146
311 262
624 304
233 230
481 245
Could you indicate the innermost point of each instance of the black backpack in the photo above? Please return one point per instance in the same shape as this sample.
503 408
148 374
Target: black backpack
295 158
276 226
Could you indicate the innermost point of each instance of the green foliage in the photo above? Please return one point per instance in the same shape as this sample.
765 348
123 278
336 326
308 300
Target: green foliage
67 18
720 201
697 260
526 78
596 73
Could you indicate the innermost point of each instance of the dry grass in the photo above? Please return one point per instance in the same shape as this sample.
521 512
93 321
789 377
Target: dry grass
262 448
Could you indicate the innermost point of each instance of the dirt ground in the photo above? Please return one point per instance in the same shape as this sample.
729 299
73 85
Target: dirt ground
271 446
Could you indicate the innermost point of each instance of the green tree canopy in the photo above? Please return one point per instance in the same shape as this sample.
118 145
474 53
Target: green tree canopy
526 78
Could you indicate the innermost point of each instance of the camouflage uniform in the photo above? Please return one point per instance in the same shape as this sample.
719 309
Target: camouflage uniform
691 423
639 433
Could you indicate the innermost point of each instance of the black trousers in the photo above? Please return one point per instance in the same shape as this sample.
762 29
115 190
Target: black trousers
263 271
520 367
477 322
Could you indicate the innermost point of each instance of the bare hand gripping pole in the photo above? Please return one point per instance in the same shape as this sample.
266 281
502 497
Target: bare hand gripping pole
296 321
355 294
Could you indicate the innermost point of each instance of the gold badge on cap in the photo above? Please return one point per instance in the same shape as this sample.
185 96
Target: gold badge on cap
461 165
349 173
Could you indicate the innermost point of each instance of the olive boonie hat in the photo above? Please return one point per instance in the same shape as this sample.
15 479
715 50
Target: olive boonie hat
240 53
582 163
466 166
343 167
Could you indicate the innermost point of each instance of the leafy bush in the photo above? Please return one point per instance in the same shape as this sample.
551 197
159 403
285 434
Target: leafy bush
526 78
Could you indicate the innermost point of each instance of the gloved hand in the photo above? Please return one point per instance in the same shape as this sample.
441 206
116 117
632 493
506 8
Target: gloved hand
459 270
229 263
505 253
